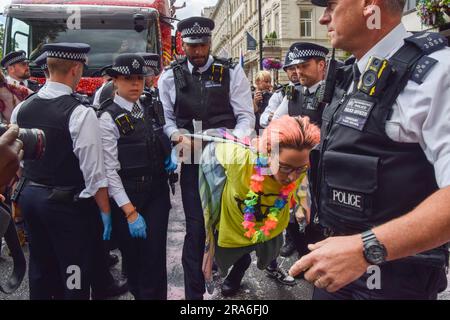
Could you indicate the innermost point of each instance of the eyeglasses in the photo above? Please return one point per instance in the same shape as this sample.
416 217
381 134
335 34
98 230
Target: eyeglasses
288 169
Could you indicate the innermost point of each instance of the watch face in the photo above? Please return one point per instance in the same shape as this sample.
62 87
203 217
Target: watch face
375 253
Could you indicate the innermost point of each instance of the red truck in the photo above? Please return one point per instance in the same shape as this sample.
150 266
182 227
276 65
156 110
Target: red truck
110 27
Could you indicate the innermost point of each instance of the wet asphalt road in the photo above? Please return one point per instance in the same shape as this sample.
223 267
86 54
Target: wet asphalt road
256 284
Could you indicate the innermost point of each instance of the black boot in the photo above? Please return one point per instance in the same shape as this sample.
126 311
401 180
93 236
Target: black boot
232 283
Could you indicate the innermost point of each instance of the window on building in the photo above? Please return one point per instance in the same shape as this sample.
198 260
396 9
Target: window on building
277 23
306 23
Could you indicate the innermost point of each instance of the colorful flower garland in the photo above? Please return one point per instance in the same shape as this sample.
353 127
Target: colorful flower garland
252 199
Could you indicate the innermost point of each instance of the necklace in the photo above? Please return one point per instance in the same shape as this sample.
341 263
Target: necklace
252 198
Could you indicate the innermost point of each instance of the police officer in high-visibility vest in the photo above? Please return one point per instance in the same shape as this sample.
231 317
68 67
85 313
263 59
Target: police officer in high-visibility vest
216 93
133 141
18 70
57 192
310 64
380 179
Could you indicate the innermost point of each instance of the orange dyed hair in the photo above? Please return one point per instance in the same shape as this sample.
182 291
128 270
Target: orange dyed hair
293 133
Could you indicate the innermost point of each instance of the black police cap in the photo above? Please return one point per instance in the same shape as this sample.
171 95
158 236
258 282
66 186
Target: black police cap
67 51
152 61
196 29
13 58
301 52
41 61
128 64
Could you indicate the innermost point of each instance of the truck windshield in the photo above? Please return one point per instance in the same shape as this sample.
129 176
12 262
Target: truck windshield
108 33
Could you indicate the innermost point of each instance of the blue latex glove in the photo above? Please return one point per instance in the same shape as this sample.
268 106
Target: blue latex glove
169 164
138 228
107 225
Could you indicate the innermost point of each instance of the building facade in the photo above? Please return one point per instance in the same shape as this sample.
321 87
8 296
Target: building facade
283 22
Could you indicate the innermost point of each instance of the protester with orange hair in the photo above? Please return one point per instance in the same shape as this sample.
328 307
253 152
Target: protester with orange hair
246 193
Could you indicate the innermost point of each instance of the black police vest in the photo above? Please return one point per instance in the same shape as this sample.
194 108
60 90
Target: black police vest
305 106
59 166
140 152
360 178
205 97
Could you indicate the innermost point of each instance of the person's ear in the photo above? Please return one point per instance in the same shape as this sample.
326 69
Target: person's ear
370 7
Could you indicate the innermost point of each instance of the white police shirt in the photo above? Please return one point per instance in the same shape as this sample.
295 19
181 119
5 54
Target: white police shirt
274 102
240 99
284 107
85 134
110 135
421 113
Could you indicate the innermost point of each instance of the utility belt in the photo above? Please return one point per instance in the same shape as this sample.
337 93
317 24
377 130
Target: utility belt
436 258
222 120
142 184
60 194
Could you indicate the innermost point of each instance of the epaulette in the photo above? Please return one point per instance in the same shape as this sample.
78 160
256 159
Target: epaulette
428 42
82 99
281 88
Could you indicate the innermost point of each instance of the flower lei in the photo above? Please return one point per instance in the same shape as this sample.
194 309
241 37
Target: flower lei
252 198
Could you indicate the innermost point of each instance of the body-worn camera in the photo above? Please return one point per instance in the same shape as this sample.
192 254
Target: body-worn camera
33 142
374 78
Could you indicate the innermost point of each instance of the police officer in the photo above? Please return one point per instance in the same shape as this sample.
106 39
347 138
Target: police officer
153 64
216 92
133 146
41 62
278 97
381 178
57 199
18 69
309 61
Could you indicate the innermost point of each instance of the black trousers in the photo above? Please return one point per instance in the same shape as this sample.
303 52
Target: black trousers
399 280
194 241
145 259
60 245
102 278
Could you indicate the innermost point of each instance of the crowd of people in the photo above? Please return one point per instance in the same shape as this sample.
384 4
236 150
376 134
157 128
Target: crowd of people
357 181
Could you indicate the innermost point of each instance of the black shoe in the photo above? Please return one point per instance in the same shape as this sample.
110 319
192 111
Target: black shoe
232 283
113 259
230 288
117 288
287 249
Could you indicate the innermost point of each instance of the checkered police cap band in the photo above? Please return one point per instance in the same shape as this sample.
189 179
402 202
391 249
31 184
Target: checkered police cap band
195 30
15 60
151 63
67 55
296 54
125 70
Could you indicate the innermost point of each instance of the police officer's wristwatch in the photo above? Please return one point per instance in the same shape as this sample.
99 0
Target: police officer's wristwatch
374 251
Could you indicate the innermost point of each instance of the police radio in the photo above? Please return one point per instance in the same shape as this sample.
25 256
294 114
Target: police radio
326 89
374 79
179 76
